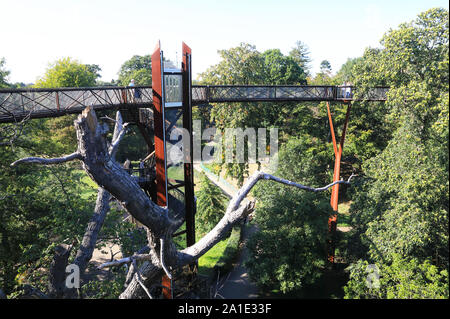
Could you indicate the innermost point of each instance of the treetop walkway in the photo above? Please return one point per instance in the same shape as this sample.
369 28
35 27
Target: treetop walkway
19 104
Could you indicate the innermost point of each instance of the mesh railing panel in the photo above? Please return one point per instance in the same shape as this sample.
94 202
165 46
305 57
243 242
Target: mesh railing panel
213 94
22 103
17 104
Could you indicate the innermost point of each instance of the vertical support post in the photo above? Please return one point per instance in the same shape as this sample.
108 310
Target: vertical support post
160 144
158 115
166 284
57 100
332 221
124 96
188 153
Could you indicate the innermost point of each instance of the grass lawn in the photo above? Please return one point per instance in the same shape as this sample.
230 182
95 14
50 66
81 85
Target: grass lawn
88 186
207 262
344 214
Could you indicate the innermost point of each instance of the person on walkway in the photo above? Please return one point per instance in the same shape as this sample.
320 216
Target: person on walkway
135 93
348 90
343 89
131 92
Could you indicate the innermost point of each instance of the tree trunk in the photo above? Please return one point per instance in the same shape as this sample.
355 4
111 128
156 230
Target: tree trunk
160 223
84 253
57 271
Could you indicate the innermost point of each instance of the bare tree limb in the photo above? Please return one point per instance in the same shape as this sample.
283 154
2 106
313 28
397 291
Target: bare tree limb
49 161
84 253
97 161
139 279
125 260
161 254
244 190
87 246
9 133
236 212
110 175
119 132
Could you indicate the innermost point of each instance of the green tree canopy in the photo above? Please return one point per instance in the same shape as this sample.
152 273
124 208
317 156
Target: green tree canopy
324 76
211 205
288 252
281 69
68 72
325 67
3 74
301 55
346 72
403 208
244 65
138 68
65 72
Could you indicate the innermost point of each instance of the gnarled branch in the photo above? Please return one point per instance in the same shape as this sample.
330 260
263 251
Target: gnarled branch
95 154
124 261
49 161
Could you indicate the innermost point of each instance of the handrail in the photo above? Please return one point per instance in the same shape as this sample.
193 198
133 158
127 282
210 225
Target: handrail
17 104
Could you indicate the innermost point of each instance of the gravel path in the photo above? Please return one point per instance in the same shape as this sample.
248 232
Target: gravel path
236 285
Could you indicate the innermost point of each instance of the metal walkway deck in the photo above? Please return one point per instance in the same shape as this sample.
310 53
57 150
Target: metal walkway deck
19 104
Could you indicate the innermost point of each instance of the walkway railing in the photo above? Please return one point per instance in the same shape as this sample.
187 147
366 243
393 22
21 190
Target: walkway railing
246 93
17 104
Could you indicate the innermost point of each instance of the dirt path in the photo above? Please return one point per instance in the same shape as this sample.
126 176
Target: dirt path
236 285
100 256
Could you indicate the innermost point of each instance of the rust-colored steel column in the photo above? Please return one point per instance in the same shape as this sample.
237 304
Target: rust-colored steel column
166 284
332 221
158 115
188 160
57 100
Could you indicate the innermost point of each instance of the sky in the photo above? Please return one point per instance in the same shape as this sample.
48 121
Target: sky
34 34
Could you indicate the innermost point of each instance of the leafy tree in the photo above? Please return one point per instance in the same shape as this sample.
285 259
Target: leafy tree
245 65
282 70
403 208
42 207
403 279
300 53
67 72
138 68
288 251
210 206
3 74
240 65
324 77
95 69
346 72
325 67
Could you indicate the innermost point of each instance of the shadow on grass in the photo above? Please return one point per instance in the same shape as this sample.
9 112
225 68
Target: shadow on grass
329 286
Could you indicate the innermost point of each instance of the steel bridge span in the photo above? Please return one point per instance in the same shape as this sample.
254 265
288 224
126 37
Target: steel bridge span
19 104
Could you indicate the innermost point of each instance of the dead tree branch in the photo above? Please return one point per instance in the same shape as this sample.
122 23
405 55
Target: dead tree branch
139 279
84 253
87 246
9 133
126 260
48 161
97 161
